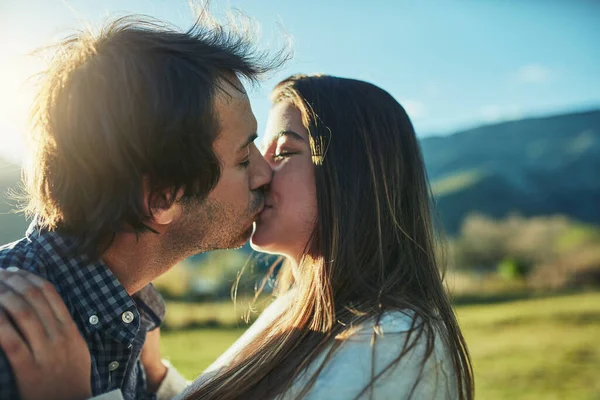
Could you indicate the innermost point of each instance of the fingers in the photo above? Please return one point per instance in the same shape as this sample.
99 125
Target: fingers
13 345
35 307
24 316
54 300
49 357
30 288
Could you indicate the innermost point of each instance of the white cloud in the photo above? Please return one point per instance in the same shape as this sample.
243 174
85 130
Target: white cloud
533 73
513 112
496 113
414 108
490 112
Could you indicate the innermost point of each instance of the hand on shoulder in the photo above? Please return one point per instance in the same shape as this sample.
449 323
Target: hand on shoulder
49 357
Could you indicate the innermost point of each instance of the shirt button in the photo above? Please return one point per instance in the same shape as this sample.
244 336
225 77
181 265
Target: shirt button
127 317
113 366
94 319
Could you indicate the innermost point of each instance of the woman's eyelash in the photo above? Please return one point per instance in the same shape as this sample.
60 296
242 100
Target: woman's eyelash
283 154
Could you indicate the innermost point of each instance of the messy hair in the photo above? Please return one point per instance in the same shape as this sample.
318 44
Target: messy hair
126 107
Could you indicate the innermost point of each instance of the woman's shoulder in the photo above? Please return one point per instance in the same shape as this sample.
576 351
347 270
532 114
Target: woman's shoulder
391 348
393 333
394 321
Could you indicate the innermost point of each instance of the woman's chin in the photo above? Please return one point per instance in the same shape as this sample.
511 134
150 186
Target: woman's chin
263 248
255 246
257 240
263 242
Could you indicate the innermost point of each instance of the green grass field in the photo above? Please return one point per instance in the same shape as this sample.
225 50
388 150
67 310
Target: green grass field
534 349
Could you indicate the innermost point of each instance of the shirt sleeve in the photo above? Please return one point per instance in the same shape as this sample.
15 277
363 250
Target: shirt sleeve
172 385
112 395
8 385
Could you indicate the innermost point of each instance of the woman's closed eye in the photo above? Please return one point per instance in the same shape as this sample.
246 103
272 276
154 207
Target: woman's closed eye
283 155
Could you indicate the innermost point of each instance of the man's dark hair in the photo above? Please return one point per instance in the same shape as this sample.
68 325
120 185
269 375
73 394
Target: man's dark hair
128 107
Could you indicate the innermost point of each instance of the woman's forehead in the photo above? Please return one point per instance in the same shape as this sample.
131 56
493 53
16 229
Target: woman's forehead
284 117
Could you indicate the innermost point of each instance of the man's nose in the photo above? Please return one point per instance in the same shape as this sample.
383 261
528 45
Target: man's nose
262 172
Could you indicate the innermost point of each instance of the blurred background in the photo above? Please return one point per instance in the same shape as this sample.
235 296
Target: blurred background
505 97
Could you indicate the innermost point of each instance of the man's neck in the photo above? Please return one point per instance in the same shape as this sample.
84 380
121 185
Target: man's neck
137 260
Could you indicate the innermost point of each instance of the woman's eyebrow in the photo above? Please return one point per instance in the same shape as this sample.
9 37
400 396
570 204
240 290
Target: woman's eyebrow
290 134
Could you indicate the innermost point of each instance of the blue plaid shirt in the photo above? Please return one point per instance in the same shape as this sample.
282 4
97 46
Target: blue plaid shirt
113 323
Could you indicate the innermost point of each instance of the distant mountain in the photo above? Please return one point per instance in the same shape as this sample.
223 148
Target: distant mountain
534 166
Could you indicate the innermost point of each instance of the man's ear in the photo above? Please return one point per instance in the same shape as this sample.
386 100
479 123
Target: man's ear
162 207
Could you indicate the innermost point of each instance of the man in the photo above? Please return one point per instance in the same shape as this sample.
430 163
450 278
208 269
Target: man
143 155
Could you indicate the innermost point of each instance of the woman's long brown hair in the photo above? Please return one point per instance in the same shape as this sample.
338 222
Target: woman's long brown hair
373 247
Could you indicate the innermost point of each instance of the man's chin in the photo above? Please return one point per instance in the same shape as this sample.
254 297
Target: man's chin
242 239
248 234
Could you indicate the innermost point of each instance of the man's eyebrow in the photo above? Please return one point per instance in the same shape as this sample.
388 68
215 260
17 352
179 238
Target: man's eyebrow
250 139
290 134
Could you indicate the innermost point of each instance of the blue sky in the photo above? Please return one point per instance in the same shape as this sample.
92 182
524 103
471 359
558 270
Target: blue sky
452 64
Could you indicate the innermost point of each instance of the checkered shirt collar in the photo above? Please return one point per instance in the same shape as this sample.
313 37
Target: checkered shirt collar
90 285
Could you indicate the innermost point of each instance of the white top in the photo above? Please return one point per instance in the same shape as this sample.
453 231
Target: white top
348 372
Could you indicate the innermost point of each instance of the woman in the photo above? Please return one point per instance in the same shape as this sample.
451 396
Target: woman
349 207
